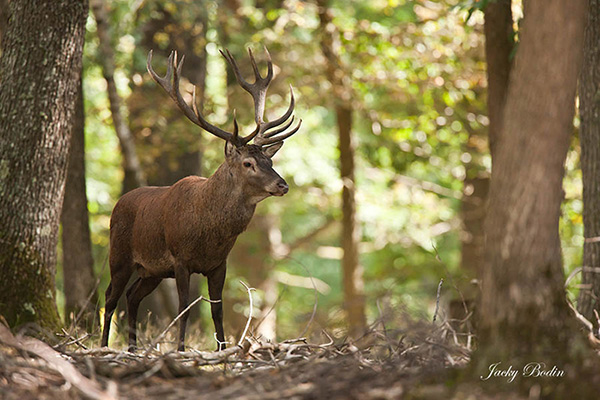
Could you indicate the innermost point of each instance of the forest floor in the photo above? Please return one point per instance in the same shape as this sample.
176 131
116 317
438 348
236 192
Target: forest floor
419 362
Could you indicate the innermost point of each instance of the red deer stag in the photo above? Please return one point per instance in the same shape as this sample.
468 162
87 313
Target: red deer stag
190 227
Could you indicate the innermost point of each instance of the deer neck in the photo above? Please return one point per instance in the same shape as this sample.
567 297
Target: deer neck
228 199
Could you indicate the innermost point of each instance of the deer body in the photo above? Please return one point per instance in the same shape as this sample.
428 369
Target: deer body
194 223
191 226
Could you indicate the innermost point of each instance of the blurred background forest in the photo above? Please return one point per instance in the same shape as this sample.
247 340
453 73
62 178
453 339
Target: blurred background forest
410 78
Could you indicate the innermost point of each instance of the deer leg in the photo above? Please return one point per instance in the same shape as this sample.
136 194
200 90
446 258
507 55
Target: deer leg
119 277
182 279
140 289
216 281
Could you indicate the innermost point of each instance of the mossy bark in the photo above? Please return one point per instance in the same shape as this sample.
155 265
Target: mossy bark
40 70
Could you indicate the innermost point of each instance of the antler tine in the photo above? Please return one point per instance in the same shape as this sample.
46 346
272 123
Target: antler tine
254 66
165 82
271 124
257 75
263 141
278 131
236 70
170 83
264 138
235 127
258 89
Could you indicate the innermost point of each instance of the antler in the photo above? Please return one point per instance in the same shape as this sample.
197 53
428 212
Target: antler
170 83
258 90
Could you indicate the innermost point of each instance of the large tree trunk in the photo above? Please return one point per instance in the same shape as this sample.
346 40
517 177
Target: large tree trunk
134 176
40 70
352 270
589 135
524 314
78 263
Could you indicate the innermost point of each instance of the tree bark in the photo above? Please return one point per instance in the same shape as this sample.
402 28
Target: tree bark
134 175
499 42
78 263
3 20
352 270
589 136
524 313
40 69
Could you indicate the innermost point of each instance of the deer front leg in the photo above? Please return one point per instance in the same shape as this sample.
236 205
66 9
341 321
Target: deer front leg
216 280
182 279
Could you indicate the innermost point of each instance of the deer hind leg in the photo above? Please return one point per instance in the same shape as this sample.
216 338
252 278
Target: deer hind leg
141 288
216 280
119 276
182 279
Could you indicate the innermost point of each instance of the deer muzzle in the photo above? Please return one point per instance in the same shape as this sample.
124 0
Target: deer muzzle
281 188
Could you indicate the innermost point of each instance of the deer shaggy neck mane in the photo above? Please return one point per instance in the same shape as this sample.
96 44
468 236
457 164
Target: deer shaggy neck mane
231 214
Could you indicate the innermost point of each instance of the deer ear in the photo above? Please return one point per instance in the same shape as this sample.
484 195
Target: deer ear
230 149
271 150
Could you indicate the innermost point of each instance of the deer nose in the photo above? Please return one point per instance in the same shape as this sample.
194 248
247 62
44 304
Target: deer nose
283 186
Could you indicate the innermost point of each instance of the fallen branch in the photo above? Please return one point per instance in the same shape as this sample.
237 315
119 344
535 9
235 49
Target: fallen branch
56 362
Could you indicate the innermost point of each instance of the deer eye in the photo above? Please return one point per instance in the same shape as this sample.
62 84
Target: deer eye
247 164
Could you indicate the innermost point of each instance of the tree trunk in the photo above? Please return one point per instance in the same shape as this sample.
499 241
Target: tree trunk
354 298
524 314
78 263
352 271
499 42
589 136
40 69
134 176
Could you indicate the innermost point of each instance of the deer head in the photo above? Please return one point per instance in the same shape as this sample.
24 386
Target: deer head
249 164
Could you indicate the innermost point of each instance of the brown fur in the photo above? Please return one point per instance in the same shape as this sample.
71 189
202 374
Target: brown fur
189 227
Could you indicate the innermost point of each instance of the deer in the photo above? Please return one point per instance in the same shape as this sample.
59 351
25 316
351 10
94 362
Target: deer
191 226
